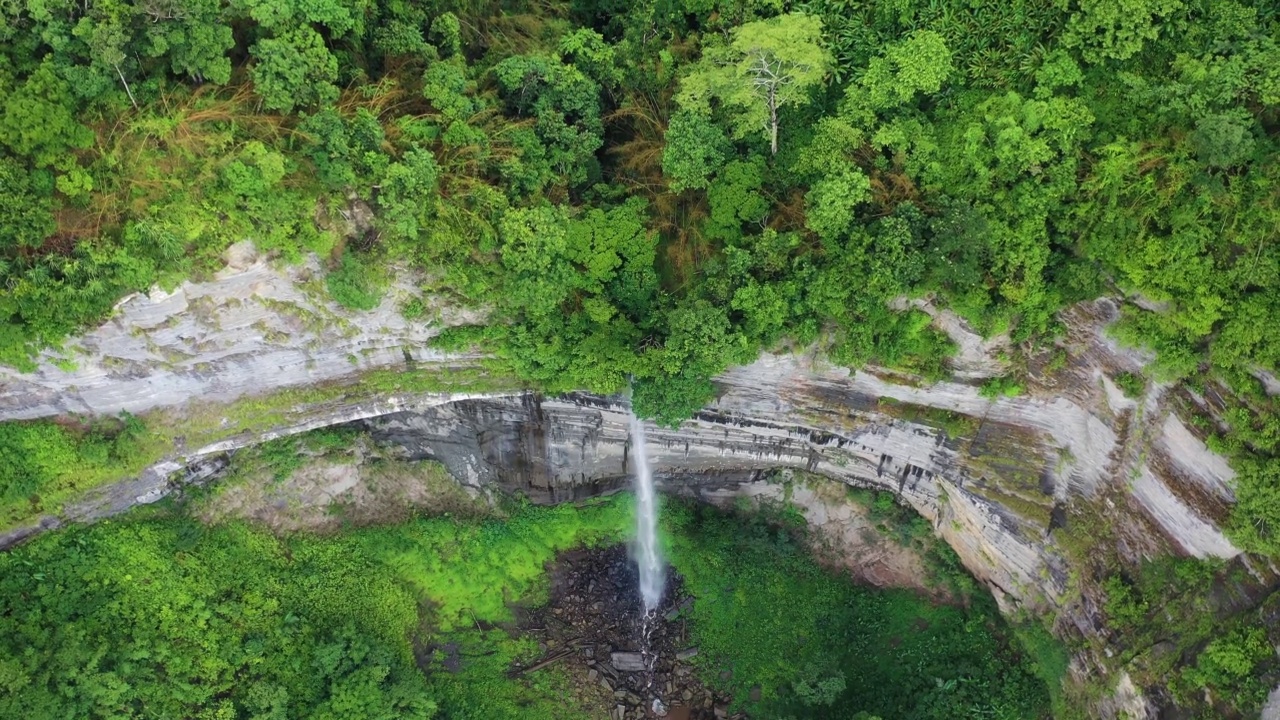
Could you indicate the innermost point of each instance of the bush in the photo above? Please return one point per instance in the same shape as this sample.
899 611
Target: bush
1229 666
999 387
1125 605
356 283
41 457
1131 384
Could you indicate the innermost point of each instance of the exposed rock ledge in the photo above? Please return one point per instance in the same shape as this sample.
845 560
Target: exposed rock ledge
994 477
253 328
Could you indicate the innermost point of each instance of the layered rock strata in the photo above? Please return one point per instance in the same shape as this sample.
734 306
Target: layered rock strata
998 478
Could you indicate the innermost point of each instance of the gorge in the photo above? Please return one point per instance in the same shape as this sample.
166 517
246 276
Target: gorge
1032 492
349 349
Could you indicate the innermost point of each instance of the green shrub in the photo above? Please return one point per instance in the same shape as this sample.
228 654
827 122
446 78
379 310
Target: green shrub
356 282
43 462
1131 384
1230 667
999 387
414 309
1125 605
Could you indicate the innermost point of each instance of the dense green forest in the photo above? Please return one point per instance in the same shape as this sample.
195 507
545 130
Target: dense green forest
659 189
167 618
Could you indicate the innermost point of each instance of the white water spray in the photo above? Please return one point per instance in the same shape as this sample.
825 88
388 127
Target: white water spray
652 571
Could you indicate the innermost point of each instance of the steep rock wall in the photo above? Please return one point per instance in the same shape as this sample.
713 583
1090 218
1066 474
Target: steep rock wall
991 486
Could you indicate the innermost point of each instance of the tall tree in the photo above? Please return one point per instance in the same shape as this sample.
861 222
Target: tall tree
766 66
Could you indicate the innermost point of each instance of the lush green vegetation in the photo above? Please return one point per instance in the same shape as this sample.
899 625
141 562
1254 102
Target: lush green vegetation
167 618
815 646
45 463
1185 624
1213 649
158 615
657 190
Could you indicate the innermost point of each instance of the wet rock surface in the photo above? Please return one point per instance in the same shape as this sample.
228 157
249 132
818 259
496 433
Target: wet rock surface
593 624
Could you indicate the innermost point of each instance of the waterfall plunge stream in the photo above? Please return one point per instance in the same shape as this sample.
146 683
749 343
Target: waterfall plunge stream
648 556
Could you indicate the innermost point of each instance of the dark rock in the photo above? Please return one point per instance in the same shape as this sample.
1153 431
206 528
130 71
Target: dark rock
674 612
627 696
628 662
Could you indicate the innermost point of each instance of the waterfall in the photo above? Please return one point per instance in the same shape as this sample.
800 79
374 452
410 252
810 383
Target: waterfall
648 557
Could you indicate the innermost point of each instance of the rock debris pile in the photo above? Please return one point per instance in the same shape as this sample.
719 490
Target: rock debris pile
592 624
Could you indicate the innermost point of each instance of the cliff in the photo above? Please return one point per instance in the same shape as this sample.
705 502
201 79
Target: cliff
251 329
1023 488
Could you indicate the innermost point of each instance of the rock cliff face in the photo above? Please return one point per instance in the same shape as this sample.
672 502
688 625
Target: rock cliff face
993 476
1001 480
252 329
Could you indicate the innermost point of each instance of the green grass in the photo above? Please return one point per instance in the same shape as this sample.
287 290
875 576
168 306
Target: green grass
955 425
1048 660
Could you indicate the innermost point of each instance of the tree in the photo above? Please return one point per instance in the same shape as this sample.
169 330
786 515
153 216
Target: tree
407 194
573 287
830 204
38 120
768 65
107 38
294 69
26 213
696 149
565 105
1117 29
191 34
736 198
918 64
837 184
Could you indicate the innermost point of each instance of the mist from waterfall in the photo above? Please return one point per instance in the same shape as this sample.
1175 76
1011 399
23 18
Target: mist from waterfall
648 556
